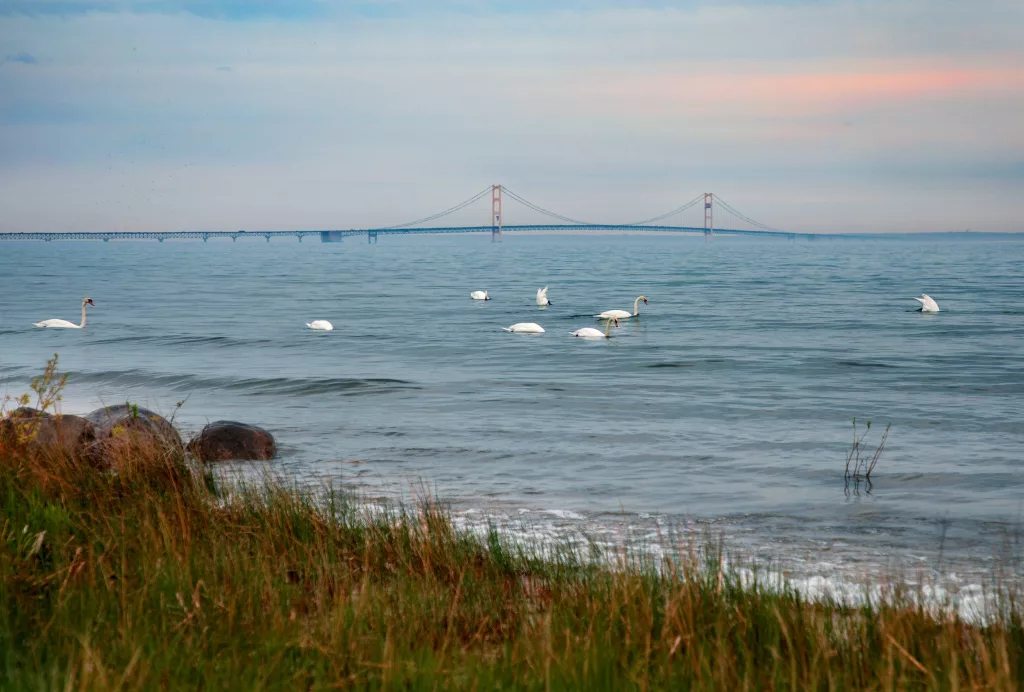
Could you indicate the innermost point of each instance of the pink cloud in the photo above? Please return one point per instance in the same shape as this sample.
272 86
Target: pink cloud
691 90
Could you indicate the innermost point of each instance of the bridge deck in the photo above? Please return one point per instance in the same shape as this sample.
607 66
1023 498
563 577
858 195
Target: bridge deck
327 235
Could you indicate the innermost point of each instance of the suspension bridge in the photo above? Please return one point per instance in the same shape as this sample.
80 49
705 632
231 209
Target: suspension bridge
707 205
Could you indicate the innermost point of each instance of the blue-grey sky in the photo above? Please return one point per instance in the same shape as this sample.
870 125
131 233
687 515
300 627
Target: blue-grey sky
902 115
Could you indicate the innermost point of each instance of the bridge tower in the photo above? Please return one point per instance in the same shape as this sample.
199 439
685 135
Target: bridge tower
709 213
495 213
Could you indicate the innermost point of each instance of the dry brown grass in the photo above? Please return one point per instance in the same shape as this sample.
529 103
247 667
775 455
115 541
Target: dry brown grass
148 575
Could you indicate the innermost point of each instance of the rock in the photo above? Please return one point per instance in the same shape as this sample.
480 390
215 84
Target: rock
225 440
135 424
28 412
72 435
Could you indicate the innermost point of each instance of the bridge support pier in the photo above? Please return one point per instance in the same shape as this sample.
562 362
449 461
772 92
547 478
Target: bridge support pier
267 237
371 237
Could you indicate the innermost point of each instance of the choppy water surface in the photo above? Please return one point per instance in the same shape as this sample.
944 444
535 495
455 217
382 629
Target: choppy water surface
728 402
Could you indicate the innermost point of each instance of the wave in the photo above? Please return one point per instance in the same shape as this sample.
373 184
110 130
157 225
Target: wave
182 340
865 364
251 386
684 363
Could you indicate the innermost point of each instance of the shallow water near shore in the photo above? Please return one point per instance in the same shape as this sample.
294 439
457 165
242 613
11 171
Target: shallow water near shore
727 403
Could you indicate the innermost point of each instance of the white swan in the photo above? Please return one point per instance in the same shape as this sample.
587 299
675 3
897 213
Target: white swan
542 296
622 314
64 324
320 325
479 295
525 328
591 333
927 304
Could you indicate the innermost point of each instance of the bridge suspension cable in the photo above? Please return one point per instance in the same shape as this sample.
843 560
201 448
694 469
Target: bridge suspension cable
447 211
719 202
544 211
567 219
668 214
725 206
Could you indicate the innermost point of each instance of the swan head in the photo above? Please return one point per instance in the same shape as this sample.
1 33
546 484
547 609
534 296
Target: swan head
88 301
643 298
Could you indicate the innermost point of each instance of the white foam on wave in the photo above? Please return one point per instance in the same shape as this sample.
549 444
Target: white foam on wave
564 514
652 542
818 580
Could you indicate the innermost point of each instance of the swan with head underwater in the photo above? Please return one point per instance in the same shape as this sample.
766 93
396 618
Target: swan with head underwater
927 303
525 328
64 324
591 333
622 314
542 296
320 325
479 295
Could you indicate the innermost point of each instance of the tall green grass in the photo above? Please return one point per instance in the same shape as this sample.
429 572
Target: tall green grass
149 576
149 573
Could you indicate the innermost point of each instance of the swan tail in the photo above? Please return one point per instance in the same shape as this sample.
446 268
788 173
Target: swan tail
507 329
920 300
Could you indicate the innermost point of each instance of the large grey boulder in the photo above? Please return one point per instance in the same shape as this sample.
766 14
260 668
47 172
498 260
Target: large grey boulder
39 430
135 426
227 440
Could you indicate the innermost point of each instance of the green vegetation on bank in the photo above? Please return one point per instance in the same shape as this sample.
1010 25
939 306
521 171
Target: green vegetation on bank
147 574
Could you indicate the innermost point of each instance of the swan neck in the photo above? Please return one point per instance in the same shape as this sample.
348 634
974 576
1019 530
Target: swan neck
83 316
608 329
636 307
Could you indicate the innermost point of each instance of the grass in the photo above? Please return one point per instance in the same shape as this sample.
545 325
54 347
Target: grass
153 575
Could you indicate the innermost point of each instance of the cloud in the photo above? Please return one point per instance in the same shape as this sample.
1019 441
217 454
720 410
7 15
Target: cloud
794 91
23 58
209 9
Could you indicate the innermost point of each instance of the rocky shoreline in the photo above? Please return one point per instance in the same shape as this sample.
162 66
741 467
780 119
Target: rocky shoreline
96 436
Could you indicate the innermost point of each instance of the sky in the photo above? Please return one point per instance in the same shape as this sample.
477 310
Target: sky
845 116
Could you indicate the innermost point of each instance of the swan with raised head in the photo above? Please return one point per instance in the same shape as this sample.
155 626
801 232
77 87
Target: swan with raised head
591 333
479 295
927 303
622 314
320 325
542 296
64 324
525 328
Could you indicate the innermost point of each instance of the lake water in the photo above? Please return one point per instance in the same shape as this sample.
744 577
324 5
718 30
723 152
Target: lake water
727 404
